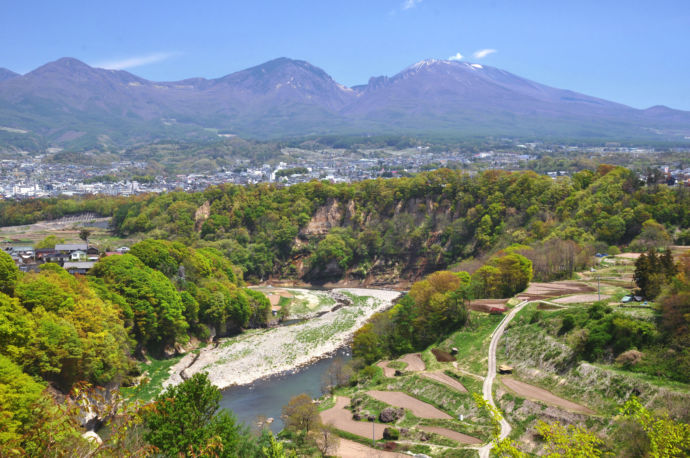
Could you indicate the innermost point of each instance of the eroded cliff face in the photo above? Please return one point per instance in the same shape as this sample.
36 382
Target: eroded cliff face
381 270
202 214
325 218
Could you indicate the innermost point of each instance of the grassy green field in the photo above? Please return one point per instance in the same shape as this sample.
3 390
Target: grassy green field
472 343
155 373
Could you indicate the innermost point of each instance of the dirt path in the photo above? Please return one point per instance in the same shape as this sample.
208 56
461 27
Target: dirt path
387 371
351 449
538 394
450 434
414 362
469 374
341 418
417 407
487 392
446 380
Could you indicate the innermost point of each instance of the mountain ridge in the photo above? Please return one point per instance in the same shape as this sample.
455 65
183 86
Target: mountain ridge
67 102
6 73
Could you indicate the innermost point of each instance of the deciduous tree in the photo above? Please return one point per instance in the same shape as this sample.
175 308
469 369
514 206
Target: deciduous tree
301 414
184 420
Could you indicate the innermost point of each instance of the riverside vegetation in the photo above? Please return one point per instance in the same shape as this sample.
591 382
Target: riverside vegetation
185 281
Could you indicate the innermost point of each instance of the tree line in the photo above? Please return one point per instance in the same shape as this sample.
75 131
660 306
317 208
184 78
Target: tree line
429 221
438 305
425 223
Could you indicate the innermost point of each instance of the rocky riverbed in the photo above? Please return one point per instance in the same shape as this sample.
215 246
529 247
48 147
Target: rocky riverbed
261 353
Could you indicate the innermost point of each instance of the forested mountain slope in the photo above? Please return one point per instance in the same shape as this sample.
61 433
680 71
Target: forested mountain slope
387 230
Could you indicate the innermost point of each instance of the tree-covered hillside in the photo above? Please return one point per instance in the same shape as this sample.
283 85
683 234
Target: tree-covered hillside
405 227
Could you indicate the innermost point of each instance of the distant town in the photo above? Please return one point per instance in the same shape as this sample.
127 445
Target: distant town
38 176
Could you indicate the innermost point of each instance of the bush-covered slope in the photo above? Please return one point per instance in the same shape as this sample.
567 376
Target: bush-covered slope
405 227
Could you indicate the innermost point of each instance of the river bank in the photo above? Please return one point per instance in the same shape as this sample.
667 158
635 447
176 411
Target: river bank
399 284
261 353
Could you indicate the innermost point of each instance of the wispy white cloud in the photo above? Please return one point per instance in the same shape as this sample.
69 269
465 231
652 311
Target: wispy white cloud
482 53
407 4
457 56
135 61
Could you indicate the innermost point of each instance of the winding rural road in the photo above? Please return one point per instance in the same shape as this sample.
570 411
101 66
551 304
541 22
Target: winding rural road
485 451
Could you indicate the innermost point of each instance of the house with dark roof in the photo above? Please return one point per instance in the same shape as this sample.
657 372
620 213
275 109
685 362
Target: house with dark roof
42 253
70 247
79 267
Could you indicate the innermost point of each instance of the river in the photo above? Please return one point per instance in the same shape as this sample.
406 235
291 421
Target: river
268 396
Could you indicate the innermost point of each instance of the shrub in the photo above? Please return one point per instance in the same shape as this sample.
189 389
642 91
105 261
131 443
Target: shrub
391 433
629 358
567 325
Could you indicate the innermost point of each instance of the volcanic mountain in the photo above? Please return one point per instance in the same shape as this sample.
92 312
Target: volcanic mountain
6 74
67 102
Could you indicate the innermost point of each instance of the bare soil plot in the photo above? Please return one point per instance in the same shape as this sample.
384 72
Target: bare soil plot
624 281
350 449
387 371
417 407
450 434
537 291
578 298
443 356
488 305
538 394
275 295
414 362
341 418
446 380
544 306
628 255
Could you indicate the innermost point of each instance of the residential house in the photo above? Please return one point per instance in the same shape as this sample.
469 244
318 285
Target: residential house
57 258
43 253
70 247
92 253
31 267
24 251
78 267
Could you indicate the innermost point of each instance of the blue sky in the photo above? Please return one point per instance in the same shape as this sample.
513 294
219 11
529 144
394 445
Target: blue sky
633 52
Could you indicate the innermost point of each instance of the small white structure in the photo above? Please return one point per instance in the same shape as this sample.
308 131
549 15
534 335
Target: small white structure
78 255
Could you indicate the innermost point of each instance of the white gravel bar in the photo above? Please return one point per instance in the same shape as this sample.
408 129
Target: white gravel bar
261 353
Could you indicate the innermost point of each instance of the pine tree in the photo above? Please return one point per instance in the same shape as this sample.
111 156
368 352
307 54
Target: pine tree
670 268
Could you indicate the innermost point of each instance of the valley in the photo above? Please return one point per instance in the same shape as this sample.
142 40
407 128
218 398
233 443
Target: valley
499 273
410 228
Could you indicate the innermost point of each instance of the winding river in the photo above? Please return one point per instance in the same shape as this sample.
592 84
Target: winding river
267 396
243 365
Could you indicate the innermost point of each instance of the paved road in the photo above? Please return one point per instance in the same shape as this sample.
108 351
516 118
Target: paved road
487 393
